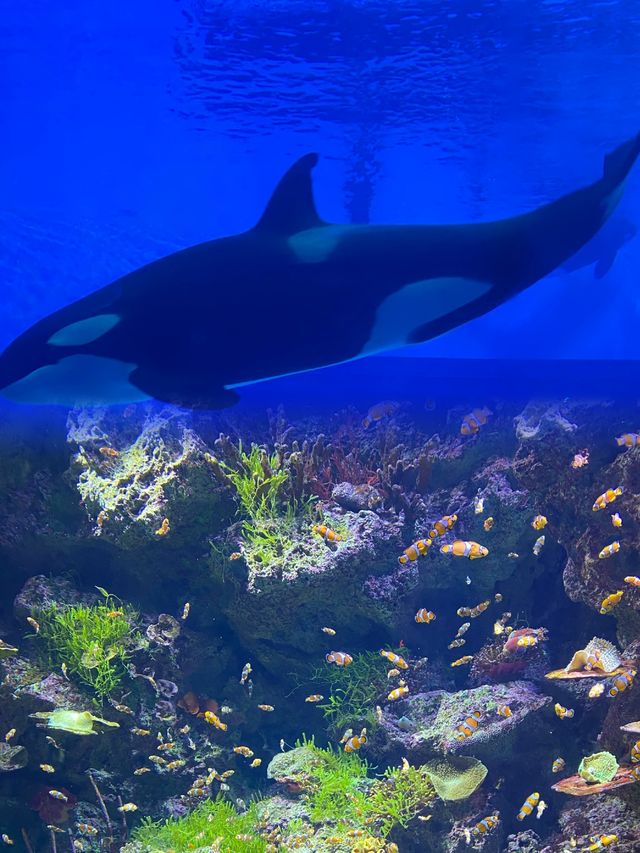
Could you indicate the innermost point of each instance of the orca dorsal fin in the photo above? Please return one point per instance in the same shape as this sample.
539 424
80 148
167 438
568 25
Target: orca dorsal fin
291 207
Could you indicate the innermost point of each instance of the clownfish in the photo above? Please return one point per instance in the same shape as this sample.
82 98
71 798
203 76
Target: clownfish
459 548
354 743
538 545
470 725
486 825
609 550
395 659
339 658
528 806
562 712
326 533
621 682
610 602
398 693
472 422
632 580
488 523
558 765
606 498
628 439
539 522
635 752
424 615
463 660
381 410
527 641
599 842
616 520
504 711
418 549
442 526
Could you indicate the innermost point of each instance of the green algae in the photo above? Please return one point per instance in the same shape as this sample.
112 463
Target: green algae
599 767
214 823
92 642
400 797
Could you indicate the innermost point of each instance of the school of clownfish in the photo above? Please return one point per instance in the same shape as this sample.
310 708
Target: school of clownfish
350 742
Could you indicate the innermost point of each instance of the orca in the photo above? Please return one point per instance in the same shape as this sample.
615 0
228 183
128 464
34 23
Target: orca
601 252
293 294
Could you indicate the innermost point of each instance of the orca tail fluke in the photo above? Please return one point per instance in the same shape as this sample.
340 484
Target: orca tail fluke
619 162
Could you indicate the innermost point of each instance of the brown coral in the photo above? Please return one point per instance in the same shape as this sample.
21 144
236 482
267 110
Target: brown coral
576 786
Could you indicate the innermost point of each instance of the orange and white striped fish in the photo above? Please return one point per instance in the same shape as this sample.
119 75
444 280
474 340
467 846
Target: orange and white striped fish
628 439
539 522
379 411
395 659
463 660
354 743
611 601
424 615
635 752
504 711
616 520
620 683
417 549
486 825
528 806
339 658
469 726
398 693
460 548
632 580
472 422
609 550
527 641
442 526
562 712
605 498
326 533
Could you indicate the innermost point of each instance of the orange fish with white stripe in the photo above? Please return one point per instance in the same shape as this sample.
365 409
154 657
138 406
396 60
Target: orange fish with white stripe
339 658
442 526
395 659
326 533
425 616
460 548
609 550
398 693
472 422
417 549
605 498
469 726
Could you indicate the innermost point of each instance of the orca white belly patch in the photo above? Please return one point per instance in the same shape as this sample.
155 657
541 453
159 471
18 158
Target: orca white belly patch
78 380
84 331
416 304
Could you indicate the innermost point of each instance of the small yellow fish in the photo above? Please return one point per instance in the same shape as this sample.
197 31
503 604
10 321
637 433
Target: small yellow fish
469 726
395 659
109 452
539 522
463 660
527 641
528 806
611 601
606 498
122 709
538 545
488 523
266 708
562 712
164 528
460 548
425 616
35 625
10 735
632 580
237 555
609 550
393 673
166 747
599 842
326 533
140 732
115 614
47 768
141 771
214 720
558 765
616 520
256 762
339 658
628 439
176 764
226 774
314 697
243 750
58 795
157 759
596 690
330 631
354 743
504 711
398 693
128 807
185 610
472 422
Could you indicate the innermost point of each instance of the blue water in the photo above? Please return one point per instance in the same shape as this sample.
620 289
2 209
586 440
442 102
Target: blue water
130 132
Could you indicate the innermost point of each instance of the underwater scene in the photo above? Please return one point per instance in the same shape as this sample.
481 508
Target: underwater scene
320 426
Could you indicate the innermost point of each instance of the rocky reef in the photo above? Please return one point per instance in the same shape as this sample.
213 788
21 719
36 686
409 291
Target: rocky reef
195 607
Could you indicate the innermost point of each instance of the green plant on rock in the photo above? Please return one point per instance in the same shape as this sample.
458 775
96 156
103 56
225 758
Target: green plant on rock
93 643
354 689
399 797
214 822
338 786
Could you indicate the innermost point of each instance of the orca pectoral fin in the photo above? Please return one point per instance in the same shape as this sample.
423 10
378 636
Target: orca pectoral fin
172 388
604 264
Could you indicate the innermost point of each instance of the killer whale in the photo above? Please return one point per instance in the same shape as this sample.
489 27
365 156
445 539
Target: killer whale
292 294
